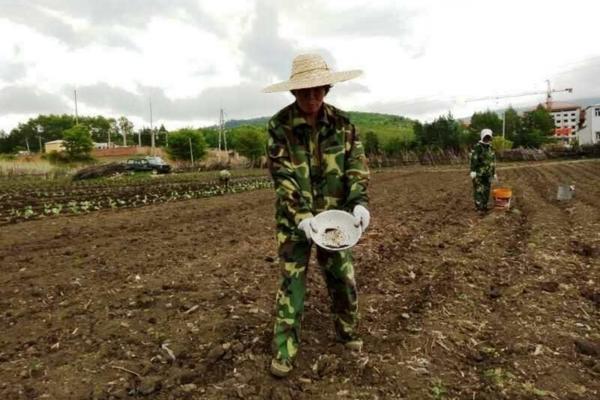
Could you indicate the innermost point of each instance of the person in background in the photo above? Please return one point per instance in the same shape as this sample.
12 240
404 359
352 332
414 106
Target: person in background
317 163
483 170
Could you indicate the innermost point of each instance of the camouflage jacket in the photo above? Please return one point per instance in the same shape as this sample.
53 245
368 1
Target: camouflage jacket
315 170
483 160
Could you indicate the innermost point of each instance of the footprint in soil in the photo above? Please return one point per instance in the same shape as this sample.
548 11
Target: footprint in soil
584 249
591 295
494 292
588 347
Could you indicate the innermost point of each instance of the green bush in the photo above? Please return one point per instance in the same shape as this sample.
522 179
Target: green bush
251 143
78 143
371 143
500 144
179 144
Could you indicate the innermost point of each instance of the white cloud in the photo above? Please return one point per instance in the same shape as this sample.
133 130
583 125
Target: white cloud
421 57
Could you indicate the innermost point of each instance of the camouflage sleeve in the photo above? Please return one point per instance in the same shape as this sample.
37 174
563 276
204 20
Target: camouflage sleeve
493 164
287 190
357 171
474 160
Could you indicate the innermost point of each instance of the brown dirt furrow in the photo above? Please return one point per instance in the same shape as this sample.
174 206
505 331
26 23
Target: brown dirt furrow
175 301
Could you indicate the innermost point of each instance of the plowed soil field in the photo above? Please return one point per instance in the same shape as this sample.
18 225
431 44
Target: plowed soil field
175 301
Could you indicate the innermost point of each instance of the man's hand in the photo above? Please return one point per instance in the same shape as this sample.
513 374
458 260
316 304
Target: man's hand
362 217
306 226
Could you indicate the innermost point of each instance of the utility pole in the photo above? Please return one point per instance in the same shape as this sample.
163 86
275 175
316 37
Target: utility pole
27 144
40 129
76 116
191 151
504 124
222 133
151 128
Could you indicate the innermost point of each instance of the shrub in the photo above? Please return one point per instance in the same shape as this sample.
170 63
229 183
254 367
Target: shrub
501 144
179 144
78 143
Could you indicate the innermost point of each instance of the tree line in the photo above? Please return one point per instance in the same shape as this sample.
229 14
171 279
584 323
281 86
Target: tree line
80 136
530 130
381 134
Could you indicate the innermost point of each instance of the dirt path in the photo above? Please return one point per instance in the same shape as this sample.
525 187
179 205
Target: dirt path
175 301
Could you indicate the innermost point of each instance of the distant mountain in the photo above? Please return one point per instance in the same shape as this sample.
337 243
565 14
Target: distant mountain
385 125
234 123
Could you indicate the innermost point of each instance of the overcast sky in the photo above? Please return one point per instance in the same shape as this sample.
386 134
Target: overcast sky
421 58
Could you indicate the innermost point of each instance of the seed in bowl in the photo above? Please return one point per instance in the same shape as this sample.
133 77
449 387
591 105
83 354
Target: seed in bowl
334 238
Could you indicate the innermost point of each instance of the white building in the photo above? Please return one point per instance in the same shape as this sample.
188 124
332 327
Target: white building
566 120
55 145
590 132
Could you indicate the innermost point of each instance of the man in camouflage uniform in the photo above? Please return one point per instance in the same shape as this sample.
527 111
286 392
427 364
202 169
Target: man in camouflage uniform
317 163
483 170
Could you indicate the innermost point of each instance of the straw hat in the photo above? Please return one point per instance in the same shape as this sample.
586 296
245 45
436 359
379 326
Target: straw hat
310 70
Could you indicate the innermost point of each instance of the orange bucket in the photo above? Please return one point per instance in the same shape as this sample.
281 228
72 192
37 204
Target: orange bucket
502 197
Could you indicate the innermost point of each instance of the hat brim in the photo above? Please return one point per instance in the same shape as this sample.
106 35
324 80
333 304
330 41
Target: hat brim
315 81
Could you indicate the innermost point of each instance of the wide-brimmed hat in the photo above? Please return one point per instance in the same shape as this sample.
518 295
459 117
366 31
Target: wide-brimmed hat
310 70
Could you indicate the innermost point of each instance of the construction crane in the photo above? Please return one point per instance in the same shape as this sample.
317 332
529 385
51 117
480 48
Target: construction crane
548 92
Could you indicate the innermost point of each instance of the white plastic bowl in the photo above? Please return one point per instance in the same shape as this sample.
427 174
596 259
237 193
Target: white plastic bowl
339 220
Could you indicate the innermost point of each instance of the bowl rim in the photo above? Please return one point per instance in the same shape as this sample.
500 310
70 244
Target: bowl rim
345 214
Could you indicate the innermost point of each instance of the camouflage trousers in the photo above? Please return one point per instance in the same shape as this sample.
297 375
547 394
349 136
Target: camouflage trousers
481 191
339 276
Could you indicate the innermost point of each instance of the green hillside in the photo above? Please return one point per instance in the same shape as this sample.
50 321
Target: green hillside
386 126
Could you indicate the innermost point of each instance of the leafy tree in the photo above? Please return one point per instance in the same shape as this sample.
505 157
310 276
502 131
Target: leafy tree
468 138
161 136
125 130
250 142
145 135
45 128
537 128
179 144
78 142
539 119
211 136
513 123
42 128
444 132
371 143
100 128
487 119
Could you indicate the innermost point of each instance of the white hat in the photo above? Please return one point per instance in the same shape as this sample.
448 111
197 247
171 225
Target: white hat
486 132
310 70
